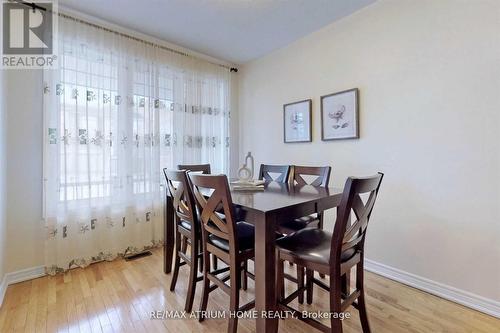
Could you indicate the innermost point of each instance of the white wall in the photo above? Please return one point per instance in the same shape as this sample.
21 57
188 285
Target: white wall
25 229
429 78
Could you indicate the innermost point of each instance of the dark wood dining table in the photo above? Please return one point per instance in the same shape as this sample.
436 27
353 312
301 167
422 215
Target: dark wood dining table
265 210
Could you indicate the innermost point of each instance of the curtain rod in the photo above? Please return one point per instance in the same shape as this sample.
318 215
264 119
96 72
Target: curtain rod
35 6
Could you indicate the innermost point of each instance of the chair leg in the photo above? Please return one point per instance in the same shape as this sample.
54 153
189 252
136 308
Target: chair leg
214 262
309 285
200 263
300 282
234 301
206 284
184 244
335 303
346 283
363 316
177 261
244 275
280 279
193 274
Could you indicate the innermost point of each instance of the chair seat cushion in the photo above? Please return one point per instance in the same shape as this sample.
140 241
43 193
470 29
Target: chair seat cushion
246 237
311 245
300 223
185 224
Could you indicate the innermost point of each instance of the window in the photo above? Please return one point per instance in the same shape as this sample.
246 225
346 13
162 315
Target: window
90 103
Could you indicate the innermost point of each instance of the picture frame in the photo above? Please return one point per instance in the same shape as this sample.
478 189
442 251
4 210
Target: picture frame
340 115
297 121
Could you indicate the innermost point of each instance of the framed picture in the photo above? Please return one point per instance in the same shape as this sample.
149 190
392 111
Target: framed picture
340 115
297 121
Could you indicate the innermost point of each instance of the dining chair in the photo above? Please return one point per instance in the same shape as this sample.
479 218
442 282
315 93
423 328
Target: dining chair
333 254
281 173
203 168
228 240
187 231
299 177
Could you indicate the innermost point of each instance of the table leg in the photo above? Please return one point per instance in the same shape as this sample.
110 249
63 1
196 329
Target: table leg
265 270
168 227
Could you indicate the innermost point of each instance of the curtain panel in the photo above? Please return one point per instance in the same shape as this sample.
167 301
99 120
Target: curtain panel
116 112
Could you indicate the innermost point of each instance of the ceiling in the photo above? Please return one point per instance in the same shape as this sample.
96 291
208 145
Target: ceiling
233 30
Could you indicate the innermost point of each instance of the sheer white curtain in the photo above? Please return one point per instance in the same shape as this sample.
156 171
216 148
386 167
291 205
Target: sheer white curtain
116 112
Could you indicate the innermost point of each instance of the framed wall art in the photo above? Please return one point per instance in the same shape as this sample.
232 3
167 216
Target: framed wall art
340 115
297 121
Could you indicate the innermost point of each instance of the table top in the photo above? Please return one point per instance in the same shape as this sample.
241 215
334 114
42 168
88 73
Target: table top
278 195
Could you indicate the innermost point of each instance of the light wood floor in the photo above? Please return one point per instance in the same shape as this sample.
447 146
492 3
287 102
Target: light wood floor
119 296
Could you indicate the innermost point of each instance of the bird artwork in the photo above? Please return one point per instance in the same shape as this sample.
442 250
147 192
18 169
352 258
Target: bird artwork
338 116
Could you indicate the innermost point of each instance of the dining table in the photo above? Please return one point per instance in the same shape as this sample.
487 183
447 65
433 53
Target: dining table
266 210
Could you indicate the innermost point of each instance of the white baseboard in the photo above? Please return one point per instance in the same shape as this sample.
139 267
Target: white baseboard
25 275
470 300
20 276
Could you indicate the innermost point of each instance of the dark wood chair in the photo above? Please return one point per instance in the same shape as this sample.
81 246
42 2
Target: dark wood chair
228 240
321 178
333 254
321 175
281 173
187 231
299 177
203 168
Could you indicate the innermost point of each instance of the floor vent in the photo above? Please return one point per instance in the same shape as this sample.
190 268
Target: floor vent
138 255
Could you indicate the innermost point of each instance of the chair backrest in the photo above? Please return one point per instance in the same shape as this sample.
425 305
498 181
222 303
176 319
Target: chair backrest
182 196
322 173
203 168
266 170
213 198
347 235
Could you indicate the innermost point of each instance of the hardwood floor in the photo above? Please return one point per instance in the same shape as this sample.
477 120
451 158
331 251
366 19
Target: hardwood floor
119 297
